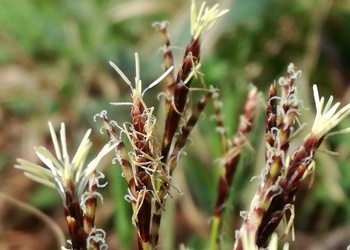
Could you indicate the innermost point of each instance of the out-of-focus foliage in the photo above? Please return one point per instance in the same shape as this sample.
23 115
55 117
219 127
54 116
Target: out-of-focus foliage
54 66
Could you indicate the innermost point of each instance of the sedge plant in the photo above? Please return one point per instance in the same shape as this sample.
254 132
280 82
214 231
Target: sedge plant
148 160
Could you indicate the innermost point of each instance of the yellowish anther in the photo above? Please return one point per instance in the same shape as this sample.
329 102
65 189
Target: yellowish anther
273 245
60 171
248 242
137 91
204 19
138 82
70 219
327 116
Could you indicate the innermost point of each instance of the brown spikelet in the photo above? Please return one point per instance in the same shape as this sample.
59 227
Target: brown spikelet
180 98
280 118
119 148
168 60
90 203
75 218
231 158
148 166
230 162
271 114
299 165
186 130
220 126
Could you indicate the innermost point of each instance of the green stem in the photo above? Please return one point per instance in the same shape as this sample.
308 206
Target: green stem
122 216
214 243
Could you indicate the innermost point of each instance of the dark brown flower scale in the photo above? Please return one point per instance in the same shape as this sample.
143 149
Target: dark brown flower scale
139 140
271 114
280 184
172 162
90 210
135 185
156 219
80 224
89 216
76 233
268 205
139 182
232 155
177 98
290 108
285 121
180 98
75 218
220 126
168 62
300 162
191 59
120 151
186 130
179 95
289 185
143 221
269 224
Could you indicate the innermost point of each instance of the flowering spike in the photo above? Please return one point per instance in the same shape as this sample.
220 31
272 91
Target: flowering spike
285 171
70 178
229 163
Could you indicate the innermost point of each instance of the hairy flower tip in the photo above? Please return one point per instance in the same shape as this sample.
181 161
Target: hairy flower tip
293 73
137 91
61 172
327 116
204 19
248 242
97 235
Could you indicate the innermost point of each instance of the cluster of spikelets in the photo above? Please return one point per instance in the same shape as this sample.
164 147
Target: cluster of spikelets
76 182
149 165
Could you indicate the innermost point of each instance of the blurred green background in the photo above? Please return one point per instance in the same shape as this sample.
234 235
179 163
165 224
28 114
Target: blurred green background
54 66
